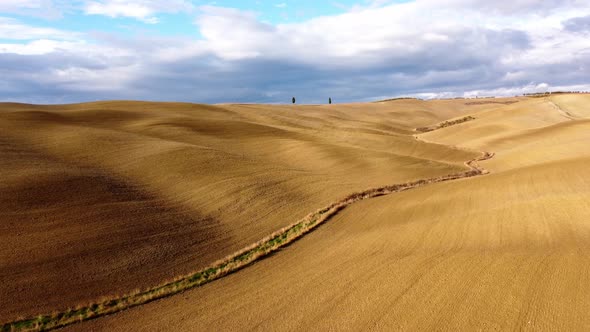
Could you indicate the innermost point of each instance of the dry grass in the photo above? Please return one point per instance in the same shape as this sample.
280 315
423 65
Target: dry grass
487 102
447 123
394 99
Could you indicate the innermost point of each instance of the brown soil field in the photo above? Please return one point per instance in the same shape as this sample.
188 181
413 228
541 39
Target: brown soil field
100 199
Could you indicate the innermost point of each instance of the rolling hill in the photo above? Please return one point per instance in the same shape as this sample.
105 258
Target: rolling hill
100 199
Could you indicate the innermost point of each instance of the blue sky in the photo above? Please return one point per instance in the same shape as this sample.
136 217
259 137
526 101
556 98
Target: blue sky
54 51
74 17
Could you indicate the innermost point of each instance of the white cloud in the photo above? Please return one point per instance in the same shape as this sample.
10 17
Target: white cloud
122 9
400 32
423 48
39 8
362 38
41 46
143 10
15 30
512 7
501 92
509 91
6 5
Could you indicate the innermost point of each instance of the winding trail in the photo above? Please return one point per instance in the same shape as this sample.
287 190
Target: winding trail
232 263
563 112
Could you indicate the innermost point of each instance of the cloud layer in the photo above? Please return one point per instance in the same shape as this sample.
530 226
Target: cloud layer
420 48
143 10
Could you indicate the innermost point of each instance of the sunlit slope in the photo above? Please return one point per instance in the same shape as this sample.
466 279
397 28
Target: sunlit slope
506 251
574 105
501 252
116 196
533 131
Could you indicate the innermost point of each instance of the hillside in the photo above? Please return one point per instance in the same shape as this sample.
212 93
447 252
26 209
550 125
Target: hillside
117 196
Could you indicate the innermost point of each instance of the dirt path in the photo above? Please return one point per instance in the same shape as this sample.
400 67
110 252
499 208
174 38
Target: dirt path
235 262
563 112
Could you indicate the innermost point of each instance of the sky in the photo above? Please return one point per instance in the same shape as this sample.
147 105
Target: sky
263 51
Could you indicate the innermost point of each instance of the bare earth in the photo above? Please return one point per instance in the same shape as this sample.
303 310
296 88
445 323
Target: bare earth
99 199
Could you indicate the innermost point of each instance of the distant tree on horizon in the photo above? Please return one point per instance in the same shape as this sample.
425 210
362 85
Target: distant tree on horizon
293 100
330 100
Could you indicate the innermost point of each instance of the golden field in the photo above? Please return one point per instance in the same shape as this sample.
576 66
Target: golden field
100 199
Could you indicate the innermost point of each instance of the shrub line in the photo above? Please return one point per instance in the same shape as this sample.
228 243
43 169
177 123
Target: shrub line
445 124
